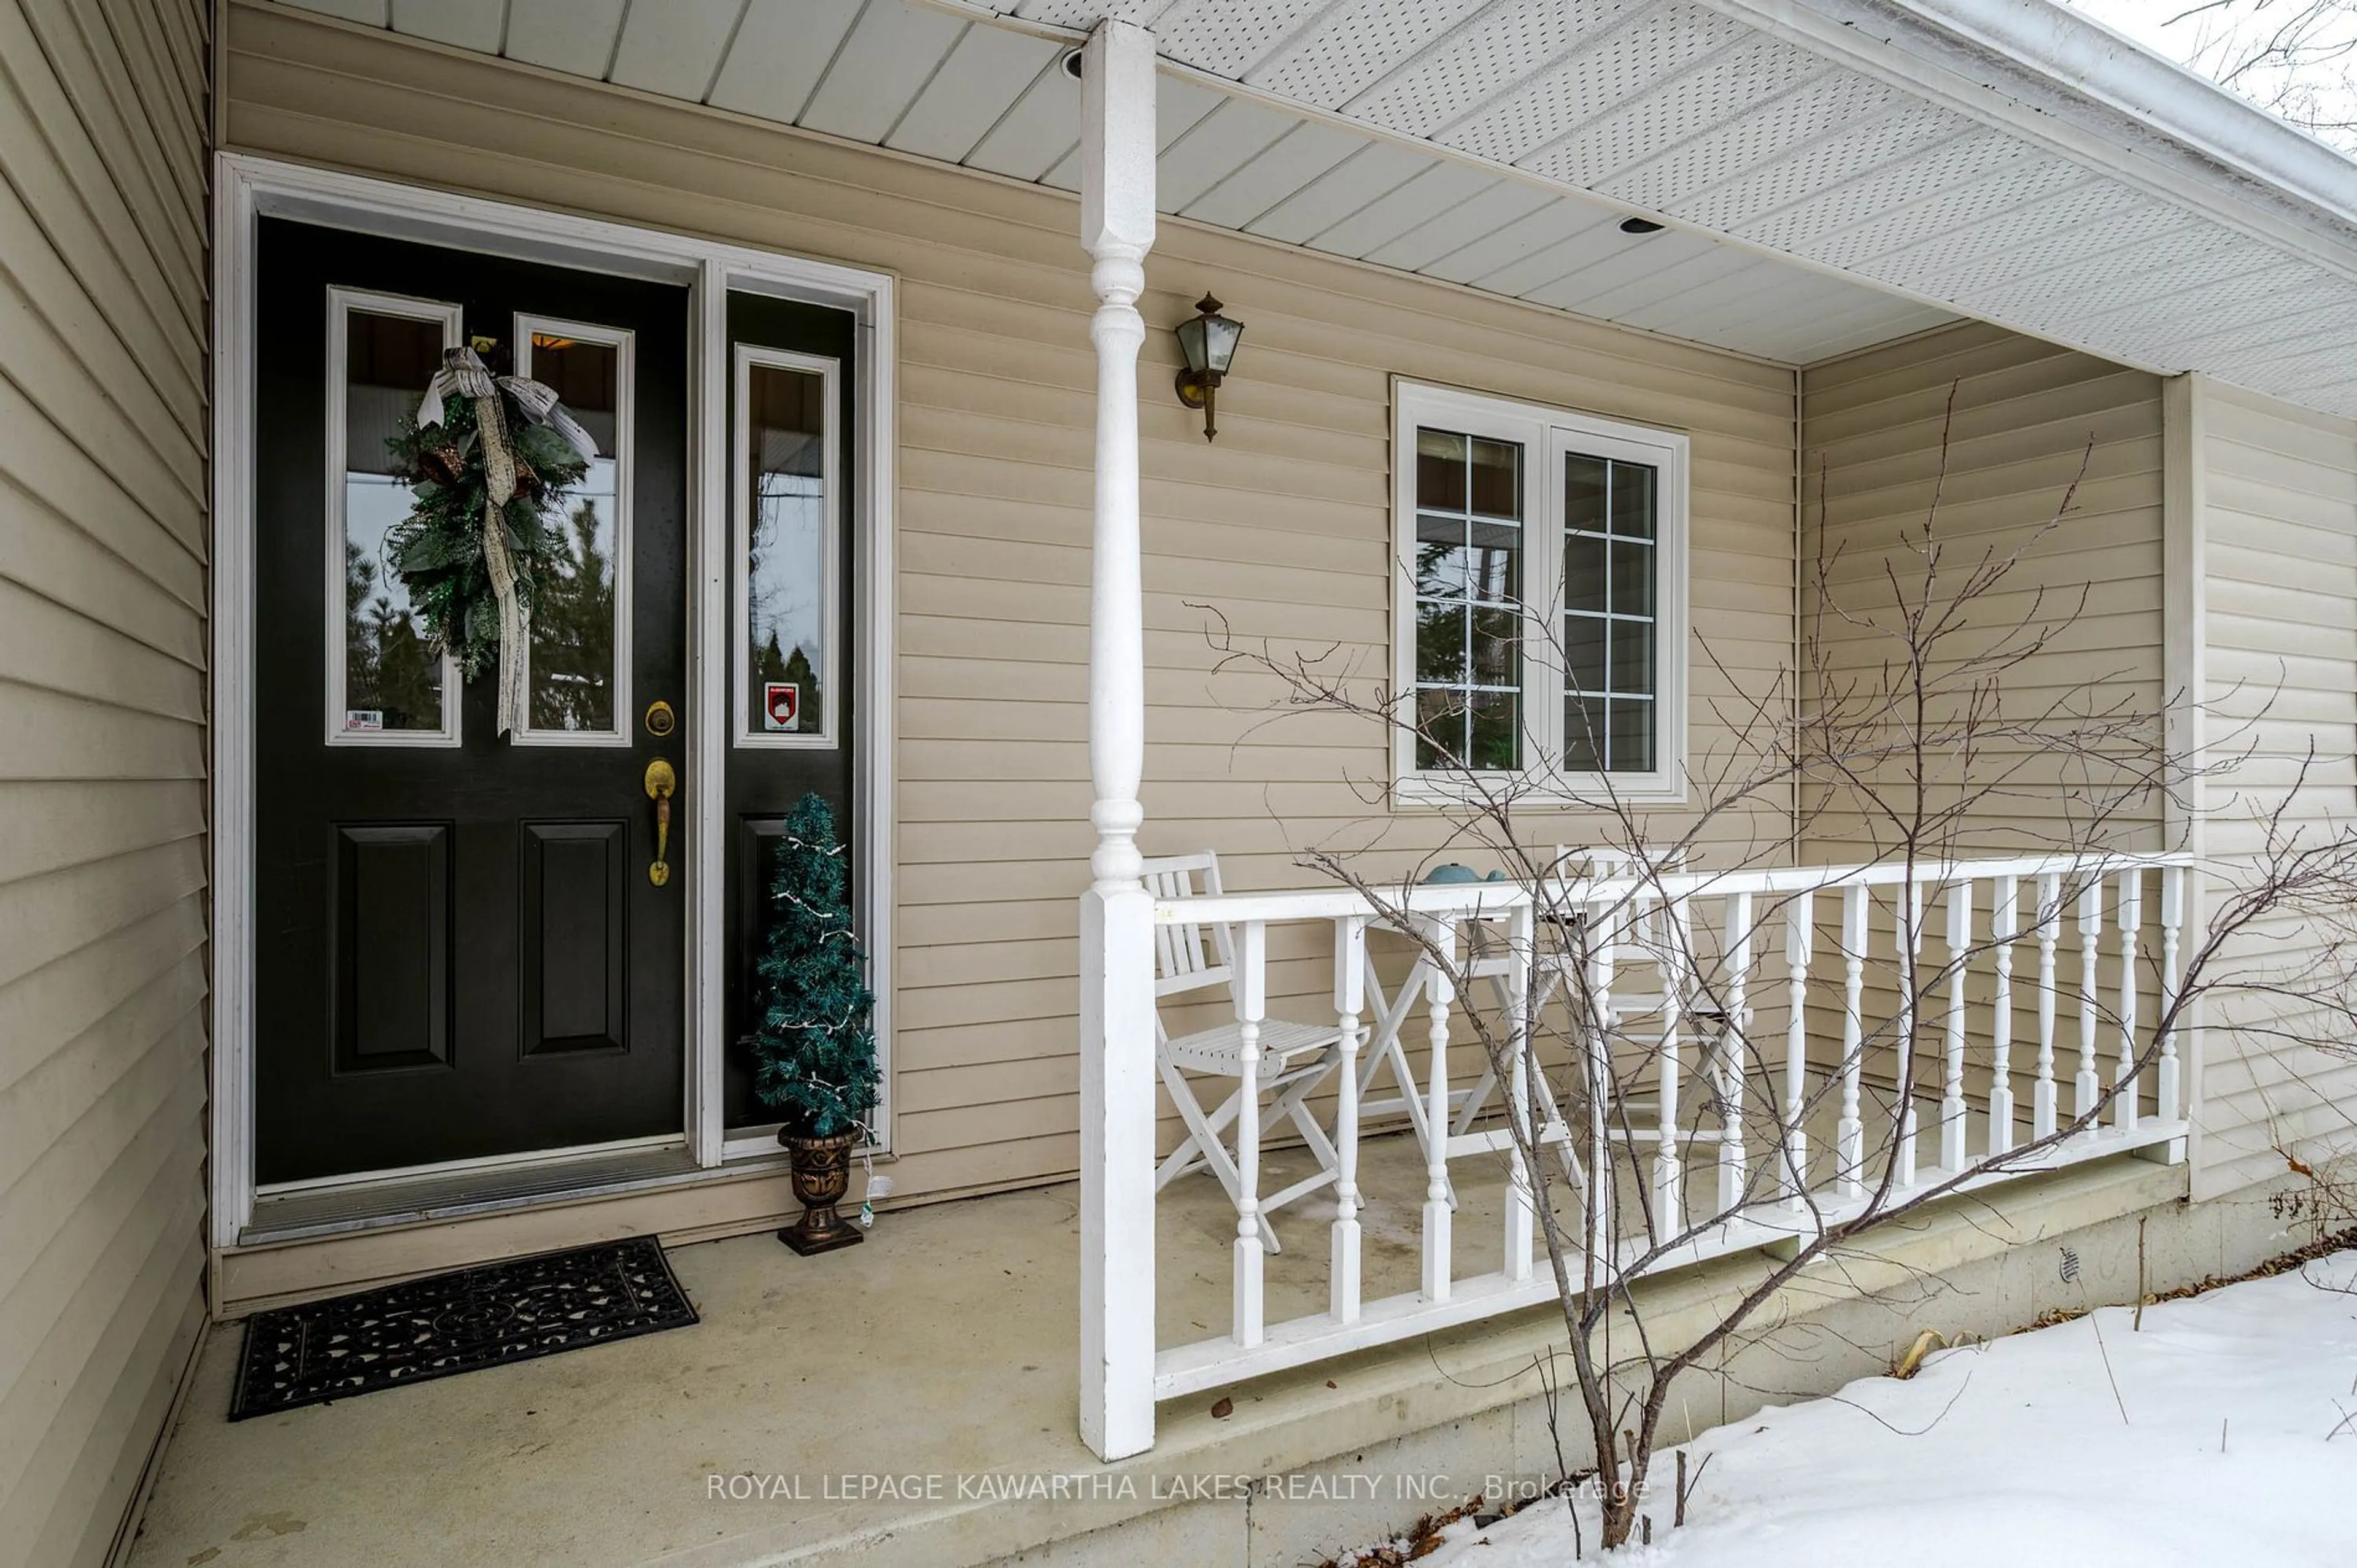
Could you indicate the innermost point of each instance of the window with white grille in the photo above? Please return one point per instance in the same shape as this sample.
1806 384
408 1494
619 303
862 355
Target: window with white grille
1541 607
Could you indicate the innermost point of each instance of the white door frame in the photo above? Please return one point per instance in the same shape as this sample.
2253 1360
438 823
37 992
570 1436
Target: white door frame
248 189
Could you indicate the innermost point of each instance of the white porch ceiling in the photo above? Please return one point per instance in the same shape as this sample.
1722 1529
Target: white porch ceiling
925 80
1831 178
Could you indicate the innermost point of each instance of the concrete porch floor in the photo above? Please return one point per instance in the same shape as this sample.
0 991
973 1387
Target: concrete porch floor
943 1350
943 1345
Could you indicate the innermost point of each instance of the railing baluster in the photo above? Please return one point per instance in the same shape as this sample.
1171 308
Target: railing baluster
2085 1089
1349 1001
1251 1006
1668 1178
1849 1132
2131 923
1600 1199
2004 914
1733 1055
1910 922
2049 928
1521 930
1441 932
1800 937
1952 1082
2173 919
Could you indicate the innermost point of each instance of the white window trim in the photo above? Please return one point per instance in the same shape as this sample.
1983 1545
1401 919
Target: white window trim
1545 435
624 342
750 356
341 304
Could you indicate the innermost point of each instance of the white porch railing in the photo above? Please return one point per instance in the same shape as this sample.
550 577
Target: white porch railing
1764 993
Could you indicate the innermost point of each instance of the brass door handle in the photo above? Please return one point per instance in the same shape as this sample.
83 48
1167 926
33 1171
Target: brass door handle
660 782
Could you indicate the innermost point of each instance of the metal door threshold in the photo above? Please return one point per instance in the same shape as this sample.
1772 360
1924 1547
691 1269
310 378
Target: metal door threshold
413 1199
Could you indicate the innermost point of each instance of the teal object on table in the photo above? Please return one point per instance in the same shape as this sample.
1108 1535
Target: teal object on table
1453 872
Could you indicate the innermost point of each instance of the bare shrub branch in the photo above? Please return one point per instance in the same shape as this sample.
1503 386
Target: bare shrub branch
1922 725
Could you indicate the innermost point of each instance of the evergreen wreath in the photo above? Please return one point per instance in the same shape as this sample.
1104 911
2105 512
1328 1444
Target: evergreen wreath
489 461
814 1036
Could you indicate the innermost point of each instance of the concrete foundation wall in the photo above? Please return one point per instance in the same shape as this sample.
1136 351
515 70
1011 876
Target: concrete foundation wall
1970 1275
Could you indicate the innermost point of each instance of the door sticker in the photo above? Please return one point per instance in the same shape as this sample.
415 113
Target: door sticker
781 705
364 718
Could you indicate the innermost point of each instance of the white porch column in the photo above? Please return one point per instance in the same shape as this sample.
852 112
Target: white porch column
1117 1070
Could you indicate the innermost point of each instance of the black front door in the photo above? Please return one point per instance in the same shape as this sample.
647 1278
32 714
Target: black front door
460 952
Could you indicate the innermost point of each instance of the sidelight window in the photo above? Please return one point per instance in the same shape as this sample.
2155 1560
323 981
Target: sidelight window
788 576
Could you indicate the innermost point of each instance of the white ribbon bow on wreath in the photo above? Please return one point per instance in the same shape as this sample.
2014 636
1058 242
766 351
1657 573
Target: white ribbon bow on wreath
464 374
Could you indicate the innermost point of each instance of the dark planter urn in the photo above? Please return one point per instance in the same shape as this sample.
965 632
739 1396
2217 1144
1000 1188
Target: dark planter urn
822 1168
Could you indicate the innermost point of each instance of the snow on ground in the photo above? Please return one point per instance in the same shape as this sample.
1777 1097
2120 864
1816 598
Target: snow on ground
2224 1433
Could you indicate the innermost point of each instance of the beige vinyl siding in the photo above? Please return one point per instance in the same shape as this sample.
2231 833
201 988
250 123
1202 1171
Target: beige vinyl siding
1281 526
2279 517
103 124
2022 420
2028 419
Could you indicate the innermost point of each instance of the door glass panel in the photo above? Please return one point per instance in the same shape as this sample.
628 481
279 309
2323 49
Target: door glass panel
578 645
392 679
785 531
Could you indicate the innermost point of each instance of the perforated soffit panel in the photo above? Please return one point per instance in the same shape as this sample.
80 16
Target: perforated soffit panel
1814 207
1678 107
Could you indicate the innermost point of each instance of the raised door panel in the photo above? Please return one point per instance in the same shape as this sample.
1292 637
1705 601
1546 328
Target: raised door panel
575 937
392 919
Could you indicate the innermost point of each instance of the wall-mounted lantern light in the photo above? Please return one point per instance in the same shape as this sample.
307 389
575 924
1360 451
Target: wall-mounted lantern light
1209 342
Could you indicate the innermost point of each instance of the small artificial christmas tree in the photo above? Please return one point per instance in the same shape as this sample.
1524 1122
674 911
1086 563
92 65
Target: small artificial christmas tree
814 1035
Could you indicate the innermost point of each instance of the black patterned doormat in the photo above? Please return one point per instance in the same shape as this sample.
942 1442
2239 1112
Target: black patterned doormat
452 1323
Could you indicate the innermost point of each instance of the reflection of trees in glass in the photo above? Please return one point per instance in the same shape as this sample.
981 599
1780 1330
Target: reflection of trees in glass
809 716
387 665
1433 563
787 519
775 665
573 633
1440 641
1495 741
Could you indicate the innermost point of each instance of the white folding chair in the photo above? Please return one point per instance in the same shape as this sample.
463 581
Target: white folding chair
1294 1058
1485 958
1640 984
1386 1048
1637 970
1550 975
